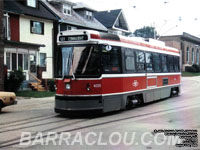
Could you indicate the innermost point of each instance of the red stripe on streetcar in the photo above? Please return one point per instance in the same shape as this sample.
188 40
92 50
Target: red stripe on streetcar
96 36
114 85
151 82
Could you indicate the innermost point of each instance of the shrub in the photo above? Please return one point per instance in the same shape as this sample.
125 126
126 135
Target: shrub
14 80
197 67
51 84
190 69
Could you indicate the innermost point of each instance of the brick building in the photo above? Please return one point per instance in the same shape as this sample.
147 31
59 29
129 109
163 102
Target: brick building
189 46
1 48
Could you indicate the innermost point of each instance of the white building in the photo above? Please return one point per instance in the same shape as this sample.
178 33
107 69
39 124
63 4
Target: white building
28 28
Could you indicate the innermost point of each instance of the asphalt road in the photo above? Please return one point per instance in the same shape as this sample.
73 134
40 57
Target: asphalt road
148 127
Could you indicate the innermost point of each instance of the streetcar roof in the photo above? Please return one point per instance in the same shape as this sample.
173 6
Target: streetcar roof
117 40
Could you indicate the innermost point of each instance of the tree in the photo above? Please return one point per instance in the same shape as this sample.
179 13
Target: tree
146 32
14 80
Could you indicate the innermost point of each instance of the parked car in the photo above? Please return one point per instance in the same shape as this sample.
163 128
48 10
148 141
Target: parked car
6 99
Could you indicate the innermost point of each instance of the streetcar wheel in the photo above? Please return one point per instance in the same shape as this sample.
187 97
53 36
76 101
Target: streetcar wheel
140 100
174 92
129 104
135 100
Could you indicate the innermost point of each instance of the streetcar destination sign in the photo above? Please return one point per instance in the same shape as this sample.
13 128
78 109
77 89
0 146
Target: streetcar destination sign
73 38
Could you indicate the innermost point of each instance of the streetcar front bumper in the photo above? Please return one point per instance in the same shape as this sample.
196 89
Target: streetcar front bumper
69 103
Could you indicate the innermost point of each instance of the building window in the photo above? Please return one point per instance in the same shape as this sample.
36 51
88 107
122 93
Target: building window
188 55
71 28
64 27
14 61
20 61
67 9
31 3
192 55
197 57
8 61
32 63
6 26
43 59
89 15
26 61
37 27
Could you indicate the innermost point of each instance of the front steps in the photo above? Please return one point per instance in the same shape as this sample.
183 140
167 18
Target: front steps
35 86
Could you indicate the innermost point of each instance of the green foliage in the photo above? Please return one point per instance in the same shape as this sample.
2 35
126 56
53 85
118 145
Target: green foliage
35 94
190 74
197 67
146 32
51 84
194 68
190 69
14 80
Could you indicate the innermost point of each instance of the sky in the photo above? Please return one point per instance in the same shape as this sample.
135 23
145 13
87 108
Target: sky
169 17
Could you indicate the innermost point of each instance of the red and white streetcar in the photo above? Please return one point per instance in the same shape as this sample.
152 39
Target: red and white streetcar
107 72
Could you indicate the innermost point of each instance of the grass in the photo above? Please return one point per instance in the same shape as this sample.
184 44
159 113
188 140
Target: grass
189 74
34 94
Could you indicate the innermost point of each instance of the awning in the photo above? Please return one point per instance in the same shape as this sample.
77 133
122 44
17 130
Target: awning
22 44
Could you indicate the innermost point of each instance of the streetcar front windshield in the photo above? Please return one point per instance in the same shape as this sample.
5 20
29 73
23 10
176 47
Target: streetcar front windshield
78 61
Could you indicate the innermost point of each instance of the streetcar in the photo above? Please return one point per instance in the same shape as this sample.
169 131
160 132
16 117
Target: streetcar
108 72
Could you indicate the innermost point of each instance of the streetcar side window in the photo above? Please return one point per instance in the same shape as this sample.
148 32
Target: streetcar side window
164 63
170 62
111 59
176 64
140 61
157 61
130 60
149 62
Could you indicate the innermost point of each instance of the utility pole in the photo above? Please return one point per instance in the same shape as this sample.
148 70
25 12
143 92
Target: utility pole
1 47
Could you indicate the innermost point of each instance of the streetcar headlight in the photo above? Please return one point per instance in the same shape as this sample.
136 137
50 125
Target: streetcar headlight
68 86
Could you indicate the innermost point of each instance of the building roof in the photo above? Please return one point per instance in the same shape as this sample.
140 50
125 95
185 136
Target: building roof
62 1
113 19
81 5
184 36
108 18
18 7
76 19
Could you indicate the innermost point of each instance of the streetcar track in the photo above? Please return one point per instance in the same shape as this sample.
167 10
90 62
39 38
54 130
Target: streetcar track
6 123
34 125
18 124
8 141
16 141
